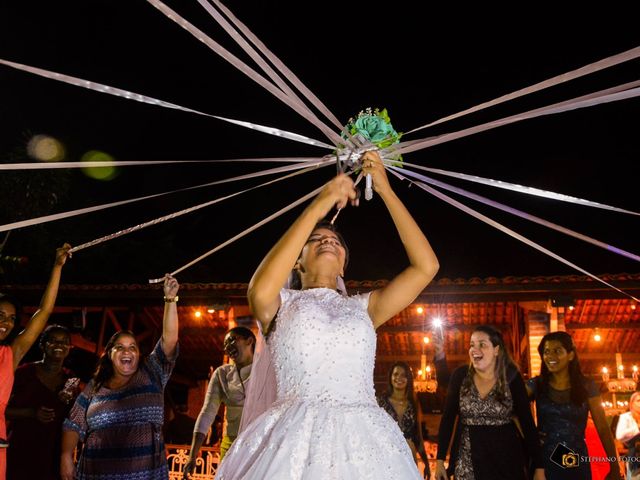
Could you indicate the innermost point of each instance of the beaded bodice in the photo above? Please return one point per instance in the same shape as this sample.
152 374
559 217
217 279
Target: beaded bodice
323 347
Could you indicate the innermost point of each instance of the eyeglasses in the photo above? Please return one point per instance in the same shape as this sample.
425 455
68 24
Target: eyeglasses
229 341
62 343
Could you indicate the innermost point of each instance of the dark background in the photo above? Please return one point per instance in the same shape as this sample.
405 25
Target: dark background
421 64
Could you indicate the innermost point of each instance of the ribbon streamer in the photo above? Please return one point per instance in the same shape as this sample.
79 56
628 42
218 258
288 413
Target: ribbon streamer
508 231
520 188
118 92
244 68
73 213
519 213
127 163
266 68
171 216
574 104
288 74
242 234
565 77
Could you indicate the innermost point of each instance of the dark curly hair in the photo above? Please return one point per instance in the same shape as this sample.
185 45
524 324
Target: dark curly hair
104 370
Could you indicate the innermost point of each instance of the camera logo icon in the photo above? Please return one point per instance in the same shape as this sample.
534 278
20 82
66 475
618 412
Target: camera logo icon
564 457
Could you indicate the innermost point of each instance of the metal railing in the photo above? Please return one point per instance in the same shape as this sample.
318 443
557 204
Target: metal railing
206 464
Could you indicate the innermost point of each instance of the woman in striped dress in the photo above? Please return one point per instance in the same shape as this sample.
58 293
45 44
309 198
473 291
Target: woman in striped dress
119 415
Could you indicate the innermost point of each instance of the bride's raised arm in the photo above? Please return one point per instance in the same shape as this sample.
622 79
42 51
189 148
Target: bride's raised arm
423 263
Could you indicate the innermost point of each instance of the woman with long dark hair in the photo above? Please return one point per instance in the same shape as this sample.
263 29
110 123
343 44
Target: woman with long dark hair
401 403
564 398
120 414
485 397
14 345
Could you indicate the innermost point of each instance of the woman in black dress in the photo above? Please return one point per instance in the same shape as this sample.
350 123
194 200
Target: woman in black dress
400 402
485 397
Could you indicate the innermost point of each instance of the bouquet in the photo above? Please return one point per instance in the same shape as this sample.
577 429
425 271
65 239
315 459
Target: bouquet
374 126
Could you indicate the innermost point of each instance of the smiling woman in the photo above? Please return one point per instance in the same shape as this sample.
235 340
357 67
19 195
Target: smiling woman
13 345
564 398
119 415
486 397
42 395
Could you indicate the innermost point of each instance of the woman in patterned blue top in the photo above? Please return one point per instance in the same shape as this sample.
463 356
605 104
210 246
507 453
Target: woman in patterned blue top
564 398
119 415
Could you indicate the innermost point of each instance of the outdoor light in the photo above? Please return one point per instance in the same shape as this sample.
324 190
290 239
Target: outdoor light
596 335
425 339
420 310
197 314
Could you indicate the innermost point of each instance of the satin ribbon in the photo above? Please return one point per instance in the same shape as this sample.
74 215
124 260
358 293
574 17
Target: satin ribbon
266 68
73 213
275 61
118 92
565 77
127 163
520 188
244 68
181 212
574 104
243 233
518 213
508 231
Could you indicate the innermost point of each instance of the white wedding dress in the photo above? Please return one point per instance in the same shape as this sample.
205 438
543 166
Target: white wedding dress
325 423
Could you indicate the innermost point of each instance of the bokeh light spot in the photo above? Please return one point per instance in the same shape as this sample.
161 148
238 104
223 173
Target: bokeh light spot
45 148
108 172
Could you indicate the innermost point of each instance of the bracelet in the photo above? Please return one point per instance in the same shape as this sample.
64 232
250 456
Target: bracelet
171 300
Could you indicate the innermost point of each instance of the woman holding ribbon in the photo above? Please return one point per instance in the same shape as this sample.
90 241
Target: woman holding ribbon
14 345
119 415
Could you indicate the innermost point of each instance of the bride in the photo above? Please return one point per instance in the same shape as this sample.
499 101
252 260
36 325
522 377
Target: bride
325 422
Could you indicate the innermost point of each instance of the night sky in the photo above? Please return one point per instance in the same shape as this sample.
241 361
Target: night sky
419 64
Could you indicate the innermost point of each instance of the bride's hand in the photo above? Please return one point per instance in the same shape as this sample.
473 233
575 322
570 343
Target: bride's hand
372 165
338 192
